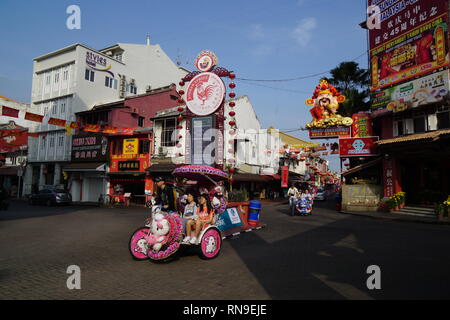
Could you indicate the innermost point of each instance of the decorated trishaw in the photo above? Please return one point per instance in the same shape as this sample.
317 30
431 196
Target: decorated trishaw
162 235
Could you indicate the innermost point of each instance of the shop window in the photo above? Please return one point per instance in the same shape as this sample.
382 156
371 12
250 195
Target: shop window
108 82
443 119
419 125
167 136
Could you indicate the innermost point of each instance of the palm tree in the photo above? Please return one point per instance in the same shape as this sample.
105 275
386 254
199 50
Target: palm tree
353 82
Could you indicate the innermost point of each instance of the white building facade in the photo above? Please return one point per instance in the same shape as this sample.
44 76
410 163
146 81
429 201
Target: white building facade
76 78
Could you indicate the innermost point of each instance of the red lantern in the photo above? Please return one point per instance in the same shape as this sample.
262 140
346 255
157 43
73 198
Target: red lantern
181 101
232 85
180 118
232 113
179 127
180 109
232 104
232 95
232 170
232 75
232 123
181 92
181 83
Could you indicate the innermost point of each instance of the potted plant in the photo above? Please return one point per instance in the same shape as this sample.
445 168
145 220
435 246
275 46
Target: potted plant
439 209
391 203
402 197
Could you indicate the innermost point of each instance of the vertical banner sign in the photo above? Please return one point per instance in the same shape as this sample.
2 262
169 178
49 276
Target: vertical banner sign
130 146
362 125
284 176
388 177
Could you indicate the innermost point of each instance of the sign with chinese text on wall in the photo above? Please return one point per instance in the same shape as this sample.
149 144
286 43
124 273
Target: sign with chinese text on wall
388 177
133 165
357 147
362 125
429 89
130 146
418 52
401 16
91 147
284 176
329 132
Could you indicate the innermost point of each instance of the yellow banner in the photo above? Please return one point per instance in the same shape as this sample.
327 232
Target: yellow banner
130 146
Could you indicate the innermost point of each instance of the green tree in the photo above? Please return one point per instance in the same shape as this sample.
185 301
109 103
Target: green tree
353 82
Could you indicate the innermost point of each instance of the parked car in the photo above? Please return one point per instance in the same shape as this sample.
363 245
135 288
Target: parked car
50 197
320 195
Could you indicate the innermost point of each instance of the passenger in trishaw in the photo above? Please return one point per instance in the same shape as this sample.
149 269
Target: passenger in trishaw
205 216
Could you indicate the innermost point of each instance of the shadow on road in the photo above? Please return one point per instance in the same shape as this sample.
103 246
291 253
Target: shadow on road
329 256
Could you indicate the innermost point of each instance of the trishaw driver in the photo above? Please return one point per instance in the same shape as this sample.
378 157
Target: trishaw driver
165 195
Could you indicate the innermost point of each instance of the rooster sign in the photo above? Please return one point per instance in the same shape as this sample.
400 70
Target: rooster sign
205 93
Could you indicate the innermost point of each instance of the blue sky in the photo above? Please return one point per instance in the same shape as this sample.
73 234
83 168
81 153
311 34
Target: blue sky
263 39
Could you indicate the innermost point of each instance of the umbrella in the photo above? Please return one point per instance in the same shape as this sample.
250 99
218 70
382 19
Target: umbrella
199 172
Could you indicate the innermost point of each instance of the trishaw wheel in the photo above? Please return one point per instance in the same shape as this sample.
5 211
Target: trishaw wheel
210 244
137 244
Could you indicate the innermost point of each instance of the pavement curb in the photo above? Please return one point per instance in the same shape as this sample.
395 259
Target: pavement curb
243 231
397 219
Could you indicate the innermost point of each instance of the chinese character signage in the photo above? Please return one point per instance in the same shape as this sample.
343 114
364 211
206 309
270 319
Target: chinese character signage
400 16
416 53
132 165
429 89
284 176
130 146
362 125
329 133
357 147
388 177
89 147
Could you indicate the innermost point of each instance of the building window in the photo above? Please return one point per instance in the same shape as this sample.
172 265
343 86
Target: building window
56 77
65 75
141 121
167 139
144 146
43 143
119 57
108 82
61 141
54 107
443 118
115 83
133 89
63 107
47 79
52 142
89 75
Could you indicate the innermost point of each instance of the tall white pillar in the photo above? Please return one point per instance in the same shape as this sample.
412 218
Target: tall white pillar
57 174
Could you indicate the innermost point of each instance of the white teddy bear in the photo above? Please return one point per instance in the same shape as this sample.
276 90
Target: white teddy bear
159 228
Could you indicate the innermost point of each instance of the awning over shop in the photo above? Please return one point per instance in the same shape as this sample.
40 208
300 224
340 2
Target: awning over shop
85 166
418 137
272 176
8 171
162 167
249 177
362 166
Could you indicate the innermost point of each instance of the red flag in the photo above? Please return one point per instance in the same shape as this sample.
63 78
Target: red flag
33 117
10 112
57 122
92 127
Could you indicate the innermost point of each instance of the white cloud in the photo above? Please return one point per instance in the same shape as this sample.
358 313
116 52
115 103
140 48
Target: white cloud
257 32
303 31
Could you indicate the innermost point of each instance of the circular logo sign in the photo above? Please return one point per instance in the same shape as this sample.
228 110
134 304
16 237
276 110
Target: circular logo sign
206 60
205 93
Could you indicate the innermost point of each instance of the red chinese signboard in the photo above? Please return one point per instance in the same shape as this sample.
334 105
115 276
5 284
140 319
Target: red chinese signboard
284 176
399 17
362 125
357 147
388 177
411 42
329 132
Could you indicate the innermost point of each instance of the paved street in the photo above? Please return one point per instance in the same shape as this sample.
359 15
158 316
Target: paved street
323 256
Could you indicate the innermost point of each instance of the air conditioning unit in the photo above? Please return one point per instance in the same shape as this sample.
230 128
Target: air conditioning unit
162 151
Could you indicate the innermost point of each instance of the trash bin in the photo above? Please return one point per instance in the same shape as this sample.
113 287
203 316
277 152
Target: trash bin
254 210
